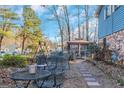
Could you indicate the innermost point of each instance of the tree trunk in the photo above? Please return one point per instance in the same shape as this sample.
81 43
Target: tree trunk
0 44
62 41
68 24
79 35
39 46
83 32
1 39
36 52
87 23
60 27
23 45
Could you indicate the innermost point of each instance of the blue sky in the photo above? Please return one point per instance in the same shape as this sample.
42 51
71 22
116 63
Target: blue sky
50 28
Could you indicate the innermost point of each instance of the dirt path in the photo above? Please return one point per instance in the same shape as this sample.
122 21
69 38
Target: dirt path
73 77
77 78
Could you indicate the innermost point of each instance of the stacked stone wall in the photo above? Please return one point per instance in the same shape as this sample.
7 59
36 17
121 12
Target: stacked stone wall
116 43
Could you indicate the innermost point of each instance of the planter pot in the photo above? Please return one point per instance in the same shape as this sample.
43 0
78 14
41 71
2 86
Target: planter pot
93 56
32 69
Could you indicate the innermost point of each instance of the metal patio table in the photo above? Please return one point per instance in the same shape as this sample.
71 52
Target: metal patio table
26 76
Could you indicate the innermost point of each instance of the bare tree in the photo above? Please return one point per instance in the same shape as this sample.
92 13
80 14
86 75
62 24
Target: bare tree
57 18
96 32
59 24
78 15
87 21
67 21
83 29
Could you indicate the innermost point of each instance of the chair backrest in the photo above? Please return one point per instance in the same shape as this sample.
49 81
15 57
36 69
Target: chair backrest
41 59
62 63
51 60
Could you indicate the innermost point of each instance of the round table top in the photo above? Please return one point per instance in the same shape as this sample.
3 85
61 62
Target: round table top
25 75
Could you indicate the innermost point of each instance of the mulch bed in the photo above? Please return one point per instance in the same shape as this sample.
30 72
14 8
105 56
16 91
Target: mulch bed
115 72
5 80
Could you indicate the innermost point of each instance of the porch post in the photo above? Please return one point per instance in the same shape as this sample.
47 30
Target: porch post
85 52
79 50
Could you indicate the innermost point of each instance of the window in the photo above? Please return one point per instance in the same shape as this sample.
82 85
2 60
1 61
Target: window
113 8
116 7
104 14
108 10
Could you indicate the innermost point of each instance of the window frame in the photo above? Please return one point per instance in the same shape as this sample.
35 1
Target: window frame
116 7
113 8
108 11
105 14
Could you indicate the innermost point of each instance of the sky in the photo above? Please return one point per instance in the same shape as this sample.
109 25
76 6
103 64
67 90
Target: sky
50 28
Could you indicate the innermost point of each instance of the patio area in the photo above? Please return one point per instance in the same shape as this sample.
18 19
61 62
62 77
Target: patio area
82 74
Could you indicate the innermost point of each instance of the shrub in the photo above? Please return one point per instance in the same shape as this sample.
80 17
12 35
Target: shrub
93 48
71 57
14 60
121 81
109 62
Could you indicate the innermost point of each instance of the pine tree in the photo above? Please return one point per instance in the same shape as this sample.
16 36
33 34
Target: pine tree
6 23
30 28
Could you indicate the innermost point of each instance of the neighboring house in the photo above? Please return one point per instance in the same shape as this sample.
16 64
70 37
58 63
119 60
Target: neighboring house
111 27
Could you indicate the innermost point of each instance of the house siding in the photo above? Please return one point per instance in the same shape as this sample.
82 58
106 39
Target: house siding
113 23
101 23
112 28
118 19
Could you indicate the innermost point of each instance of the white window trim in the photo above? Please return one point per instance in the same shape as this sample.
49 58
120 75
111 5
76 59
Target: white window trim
113 8
104 14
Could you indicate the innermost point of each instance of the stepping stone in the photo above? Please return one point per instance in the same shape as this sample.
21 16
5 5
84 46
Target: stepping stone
93 83
89 79
87 75
85 72
82 69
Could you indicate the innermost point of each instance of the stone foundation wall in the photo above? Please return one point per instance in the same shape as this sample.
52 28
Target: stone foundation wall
116 43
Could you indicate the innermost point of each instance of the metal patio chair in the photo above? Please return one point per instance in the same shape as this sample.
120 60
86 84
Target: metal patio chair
57 68
57 64
41 61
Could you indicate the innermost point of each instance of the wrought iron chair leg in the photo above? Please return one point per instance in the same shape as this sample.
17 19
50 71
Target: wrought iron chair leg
44 68
69 65
58 86
54 81
42 83
16 84
27 84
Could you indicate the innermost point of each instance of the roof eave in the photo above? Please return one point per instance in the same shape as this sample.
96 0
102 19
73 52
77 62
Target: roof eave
98 10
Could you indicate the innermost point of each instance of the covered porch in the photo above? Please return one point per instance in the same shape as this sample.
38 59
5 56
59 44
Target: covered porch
79 47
